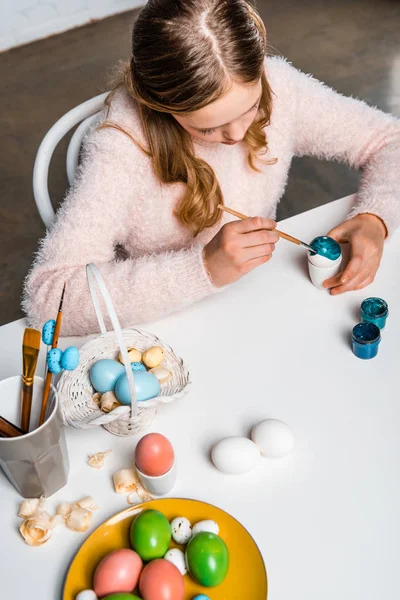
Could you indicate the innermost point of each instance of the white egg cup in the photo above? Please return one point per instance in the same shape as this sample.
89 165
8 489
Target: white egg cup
161 484
321 269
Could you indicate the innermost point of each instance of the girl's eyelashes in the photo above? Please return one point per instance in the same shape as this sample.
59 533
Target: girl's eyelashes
207 131
210 131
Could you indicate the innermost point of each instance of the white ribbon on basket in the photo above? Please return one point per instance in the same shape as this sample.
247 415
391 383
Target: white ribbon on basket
96 283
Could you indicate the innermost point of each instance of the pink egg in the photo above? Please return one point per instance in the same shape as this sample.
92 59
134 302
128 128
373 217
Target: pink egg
161 580
154 455
119 571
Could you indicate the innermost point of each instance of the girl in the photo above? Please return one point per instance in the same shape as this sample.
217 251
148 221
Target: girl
201 117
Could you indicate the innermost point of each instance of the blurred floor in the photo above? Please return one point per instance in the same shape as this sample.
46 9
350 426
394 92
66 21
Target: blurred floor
353 45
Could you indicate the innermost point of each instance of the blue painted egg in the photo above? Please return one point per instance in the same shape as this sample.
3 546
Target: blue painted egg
201 597
146 385
54 357
136 366
104 374
70 358
48 332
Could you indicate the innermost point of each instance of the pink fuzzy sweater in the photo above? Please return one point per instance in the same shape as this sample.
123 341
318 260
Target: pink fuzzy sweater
116 202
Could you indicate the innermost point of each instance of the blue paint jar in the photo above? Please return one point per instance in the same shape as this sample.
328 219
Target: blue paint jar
374 310
365 340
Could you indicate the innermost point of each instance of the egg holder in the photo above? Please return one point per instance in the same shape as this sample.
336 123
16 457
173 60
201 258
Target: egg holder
74 387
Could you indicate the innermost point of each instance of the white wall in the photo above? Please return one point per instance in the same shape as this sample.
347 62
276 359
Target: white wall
22 21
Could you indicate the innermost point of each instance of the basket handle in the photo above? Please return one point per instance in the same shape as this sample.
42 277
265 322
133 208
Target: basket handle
96 283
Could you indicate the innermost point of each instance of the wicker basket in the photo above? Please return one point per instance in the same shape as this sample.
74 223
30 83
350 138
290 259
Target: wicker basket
76 391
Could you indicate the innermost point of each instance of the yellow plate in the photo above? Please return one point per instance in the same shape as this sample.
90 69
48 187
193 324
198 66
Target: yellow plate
247 577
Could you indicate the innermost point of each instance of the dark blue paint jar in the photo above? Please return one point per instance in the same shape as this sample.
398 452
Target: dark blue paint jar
374 310
365 340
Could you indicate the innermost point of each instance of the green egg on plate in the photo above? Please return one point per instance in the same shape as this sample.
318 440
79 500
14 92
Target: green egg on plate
150 535
207 558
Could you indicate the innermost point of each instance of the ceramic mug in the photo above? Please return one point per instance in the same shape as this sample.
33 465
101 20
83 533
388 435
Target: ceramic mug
37 462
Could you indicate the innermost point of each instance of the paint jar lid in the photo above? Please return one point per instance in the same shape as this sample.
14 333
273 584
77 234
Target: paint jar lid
366 333
374 308
327 252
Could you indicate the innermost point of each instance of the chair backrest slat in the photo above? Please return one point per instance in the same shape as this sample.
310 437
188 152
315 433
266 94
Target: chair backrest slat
90 108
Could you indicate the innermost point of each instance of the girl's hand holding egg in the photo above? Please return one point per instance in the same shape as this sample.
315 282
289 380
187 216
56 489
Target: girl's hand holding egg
366 235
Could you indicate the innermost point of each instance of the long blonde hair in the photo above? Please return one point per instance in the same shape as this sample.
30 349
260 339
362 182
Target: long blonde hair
185 54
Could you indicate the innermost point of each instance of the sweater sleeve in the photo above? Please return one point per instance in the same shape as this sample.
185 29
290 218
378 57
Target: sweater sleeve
91 222
331 126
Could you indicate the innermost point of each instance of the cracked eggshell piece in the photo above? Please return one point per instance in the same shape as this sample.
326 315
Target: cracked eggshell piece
181 530
153 357
79 519
177 558
28 508
64 509
235 455
207 525
274 438
162 374
97 460
125 481
88 503
108 402
37 529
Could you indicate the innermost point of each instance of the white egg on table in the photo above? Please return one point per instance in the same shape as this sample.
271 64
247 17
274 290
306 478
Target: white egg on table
274 438
86 595
235 455
181 530
208 526
177 558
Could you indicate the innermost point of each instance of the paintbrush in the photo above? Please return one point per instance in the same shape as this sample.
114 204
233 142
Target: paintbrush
49 373
30 353
285 236
8 429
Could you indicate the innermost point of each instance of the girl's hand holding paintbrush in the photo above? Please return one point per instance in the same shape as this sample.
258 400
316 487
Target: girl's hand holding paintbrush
238 248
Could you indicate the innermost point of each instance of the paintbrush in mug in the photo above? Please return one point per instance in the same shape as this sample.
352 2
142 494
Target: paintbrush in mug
285 236
49 373
9 430
30 353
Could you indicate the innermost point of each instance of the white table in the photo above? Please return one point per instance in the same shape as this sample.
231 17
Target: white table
327 518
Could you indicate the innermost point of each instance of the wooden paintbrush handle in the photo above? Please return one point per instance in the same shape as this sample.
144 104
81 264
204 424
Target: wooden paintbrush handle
27 391
239 215
45 399
8 429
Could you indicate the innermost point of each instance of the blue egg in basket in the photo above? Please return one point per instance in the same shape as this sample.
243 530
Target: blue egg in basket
54 357
136 366
70 358
104 374
146 385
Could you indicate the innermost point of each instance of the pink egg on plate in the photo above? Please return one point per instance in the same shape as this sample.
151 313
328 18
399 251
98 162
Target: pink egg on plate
154 455
161 580
118 571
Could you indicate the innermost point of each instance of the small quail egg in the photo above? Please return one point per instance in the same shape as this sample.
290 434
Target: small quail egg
177 558
48 332
207 526
54 360
86 595
181 530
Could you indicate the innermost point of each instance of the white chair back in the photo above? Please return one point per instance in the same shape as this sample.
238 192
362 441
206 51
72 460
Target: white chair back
87 112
